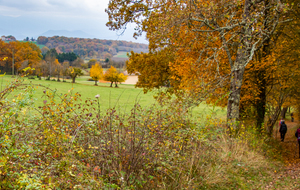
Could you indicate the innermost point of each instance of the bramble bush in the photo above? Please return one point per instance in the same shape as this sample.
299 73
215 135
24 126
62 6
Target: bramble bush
71 144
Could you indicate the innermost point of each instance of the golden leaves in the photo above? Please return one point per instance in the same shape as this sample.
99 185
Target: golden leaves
96 72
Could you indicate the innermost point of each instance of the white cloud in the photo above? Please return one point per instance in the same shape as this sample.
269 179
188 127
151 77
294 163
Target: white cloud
38 16
70 8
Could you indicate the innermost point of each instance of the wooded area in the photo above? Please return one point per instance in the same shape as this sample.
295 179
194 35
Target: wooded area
89 47
233 53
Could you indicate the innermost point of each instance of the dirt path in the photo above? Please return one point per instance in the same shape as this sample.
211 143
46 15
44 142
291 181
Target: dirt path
289 176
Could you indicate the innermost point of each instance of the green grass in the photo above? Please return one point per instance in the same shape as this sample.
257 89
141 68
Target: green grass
122 98
122 54
40 46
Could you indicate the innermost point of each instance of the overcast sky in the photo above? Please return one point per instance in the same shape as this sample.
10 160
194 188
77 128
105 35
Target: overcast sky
34 17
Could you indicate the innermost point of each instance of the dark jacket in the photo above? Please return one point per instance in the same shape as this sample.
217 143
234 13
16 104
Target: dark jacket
283 128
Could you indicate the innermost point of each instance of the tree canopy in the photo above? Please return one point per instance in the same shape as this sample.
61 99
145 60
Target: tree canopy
114 76
74 72
96 72
210 43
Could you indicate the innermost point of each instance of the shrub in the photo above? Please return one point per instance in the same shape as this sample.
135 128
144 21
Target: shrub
68 144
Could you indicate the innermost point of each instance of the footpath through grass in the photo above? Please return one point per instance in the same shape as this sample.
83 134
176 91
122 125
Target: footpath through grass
288 174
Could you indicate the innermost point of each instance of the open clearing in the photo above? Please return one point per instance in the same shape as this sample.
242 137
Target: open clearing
122 98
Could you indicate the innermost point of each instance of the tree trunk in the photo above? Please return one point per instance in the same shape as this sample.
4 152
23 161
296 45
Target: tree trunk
272 120
111 84
116 85
73 79
237 71
283 112
236 82
261 103
261 106
96 82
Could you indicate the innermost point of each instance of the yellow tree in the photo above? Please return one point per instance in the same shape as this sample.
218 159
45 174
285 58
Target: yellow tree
96 72
113 76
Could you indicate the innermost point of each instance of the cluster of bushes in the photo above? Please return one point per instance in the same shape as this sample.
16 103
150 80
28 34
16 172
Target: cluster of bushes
72 144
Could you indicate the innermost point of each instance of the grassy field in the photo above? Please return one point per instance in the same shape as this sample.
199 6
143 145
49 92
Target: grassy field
123 98
122 54
40 46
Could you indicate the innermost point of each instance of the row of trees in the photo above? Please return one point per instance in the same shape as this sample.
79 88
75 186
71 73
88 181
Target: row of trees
89 47
61 56
19 55
235 53
111 75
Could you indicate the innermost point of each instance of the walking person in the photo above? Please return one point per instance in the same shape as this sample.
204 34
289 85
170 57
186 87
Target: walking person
282 130
297 134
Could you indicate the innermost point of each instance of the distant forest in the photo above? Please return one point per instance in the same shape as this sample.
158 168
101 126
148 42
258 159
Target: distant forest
92 48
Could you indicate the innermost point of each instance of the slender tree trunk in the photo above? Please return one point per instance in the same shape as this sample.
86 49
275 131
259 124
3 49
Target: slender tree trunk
73 79
111 84
96 82
272 120
116 85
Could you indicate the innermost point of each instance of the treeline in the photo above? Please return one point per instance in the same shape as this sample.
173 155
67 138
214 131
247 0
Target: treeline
71 56
89 47
17 55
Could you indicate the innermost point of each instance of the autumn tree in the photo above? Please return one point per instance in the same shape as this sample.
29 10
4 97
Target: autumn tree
228 34
92 62
57 69
96 72
42 40
50 58
77 62
113 76
45 49
74 72
21 53
65 67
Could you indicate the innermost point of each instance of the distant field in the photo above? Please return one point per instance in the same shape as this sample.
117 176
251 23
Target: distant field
121 54
40 46
123 98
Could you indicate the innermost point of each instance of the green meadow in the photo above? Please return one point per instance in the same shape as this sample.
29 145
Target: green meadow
122 98
122 54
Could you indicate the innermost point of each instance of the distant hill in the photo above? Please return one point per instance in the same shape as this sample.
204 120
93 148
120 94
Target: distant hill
92 48
6 32
66 33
